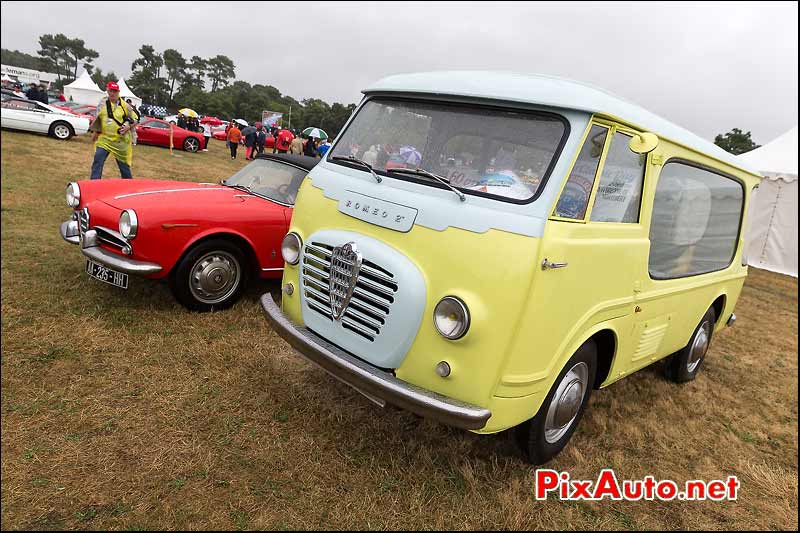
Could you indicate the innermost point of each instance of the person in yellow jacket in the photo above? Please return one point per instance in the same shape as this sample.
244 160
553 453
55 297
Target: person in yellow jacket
112 133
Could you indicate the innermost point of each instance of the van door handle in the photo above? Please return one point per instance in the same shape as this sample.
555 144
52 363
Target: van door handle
550 264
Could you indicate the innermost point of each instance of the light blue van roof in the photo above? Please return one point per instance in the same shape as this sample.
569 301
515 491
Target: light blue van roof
552 92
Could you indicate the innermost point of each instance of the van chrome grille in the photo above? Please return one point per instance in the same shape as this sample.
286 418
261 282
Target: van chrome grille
372 298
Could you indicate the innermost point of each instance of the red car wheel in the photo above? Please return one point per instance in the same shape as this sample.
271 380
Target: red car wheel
191 144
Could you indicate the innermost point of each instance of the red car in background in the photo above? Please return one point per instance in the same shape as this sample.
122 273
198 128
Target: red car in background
218 132
156 132
208 240
81 110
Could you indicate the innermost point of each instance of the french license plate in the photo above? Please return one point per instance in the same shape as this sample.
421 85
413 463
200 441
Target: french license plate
112 277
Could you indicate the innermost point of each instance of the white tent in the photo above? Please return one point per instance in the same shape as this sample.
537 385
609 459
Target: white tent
125 93
83 90
771 239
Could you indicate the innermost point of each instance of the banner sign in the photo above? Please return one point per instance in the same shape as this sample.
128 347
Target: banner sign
271 118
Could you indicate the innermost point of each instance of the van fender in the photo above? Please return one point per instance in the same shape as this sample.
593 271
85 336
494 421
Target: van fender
576 340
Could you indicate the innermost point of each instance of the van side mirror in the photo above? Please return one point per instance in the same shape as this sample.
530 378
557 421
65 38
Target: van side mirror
643 143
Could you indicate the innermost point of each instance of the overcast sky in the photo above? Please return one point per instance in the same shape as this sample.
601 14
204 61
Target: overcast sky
708 67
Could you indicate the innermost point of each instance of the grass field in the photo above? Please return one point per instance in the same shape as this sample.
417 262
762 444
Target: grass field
121 410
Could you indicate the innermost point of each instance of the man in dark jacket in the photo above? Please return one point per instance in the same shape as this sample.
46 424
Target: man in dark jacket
33 92
43 97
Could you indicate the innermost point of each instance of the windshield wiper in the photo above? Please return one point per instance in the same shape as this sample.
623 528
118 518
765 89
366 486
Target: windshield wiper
353 159
240 187
423 172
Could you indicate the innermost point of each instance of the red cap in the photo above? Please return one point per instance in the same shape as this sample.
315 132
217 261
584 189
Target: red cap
112 86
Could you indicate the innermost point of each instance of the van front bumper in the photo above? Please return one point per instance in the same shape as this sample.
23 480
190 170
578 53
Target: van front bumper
379 386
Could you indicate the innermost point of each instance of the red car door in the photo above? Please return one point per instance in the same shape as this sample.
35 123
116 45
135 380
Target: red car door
154 132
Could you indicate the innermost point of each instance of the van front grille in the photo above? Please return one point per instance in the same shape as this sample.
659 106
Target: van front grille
372 299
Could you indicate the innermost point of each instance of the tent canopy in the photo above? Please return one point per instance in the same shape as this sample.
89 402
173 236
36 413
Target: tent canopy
771 239
83 90
125 93
777 159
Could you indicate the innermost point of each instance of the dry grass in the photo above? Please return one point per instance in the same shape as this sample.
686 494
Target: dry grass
121 410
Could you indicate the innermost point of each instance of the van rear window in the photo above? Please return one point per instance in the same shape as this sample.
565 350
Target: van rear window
695 223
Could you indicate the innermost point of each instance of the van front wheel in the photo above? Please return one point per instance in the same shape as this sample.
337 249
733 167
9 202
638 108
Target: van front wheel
684 365
546 434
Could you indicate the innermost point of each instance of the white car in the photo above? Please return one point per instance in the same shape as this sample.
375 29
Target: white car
29 115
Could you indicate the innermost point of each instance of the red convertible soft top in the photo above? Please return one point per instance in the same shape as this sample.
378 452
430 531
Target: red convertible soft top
302 161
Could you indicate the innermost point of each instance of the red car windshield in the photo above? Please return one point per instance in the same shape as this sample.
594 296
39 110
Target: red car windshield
271 179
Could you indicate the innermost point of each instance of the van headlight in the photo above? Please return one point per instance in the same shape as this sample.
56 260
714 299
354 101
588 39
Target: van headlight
73 195
128 224
290 248
451 318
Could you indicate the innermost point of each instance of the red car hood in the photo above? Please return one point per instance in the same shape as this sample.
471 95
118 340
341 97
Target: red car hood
177 193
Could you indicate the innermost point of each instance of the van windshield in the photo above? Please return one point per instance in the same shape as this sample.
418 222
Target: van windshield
480 150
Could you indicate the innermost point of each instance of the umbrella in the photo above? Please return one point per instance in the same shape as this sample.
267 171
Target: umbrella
214 121
410 155
241 121
188 112
315 132
248 130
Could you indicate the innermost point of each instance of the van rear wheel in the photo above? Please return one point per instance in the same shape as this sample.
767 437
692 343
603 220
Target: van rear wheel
546 434
684 365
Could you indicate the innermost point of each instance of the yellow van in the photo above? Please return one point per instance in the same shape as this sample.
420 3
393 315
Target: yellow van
484 249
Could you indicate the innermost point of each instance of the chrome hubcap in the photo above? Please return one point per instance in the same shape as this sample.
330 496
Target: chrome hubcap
214 277
566 402
61 131
699 347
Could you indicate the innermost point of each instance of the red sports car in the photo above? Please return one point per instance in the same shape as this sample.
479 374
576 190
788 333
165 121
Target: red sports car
208 240
156 131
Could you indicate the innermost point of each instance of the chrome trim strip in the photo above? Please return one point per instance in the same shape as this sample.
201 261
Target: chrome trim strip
271 269
169 190
318 272
315 281
363 295
323 251
90 248
366 269
317 260
370 320
358 327
369 284
371 381
70 232
318 295
317 307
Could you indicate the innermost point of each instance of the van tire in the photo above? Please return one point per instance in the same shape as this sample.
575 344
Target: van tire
541 438
685 364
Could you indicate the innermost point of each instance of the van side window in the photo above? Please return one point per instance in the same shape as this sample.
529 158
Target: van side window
695 223
620 191
575 197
